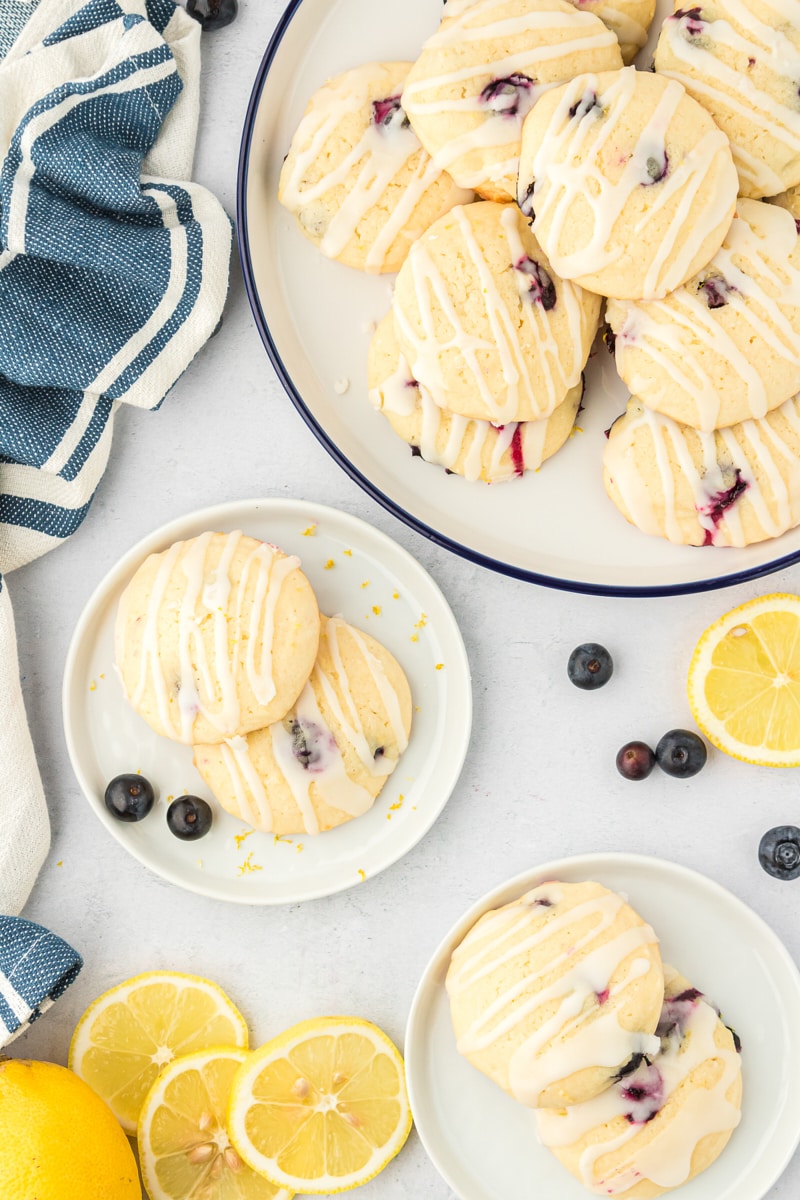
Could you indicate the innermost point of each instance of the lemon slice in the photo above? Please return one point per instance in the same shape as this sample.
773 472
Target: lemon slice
183 1147
321 1108
130 1032
744 682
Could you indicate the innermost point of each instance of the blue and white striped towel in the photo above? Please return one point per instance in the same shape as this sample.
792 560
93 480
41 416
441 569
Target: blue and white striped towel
36 967
113 273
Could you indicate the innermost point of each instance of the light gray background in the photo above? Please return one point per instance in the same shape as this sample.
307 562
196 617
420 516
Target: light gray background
539 781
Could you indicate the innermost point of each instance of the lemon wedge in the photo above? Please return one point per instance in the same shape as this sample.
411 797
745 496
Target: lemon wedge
133 1030
183 1147
321 1108
744 682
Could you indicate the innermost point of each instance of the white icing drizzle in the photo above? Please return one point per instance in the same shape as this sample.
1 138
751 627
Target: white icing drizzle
764 289
565 165
208 683
400 395
521 392
582 1031
325 770
720 87
551 56
380 157
664 1155
755 449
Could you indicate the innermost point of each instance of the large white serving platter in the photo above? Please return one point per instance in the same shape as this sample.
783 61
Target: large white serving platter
484 1143
555 526
356 571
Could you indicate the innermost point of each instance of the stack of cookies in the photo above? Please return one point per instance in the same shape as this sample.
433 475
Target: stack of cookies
561 999
595 181
296 719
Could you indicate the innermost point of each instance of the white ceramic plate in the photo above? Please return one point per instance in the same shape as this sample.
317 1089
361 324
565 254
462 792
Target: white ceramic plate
556 526
374 584
484 1143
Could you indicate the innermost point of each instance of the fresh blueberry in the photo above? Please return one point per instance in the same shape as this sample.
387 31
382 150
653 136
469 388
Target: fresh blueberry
681 753
779 852
212 14
129 797
635 760
189 818
590 666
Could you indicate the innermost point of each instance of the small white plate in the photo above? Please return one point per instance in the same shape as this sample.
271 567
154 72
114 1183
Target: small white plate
484 1143
356 571
554 526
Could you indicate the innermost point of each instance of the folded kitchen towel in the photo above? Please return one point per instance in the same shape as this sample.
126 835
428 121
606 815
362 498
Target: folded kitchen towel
113 273
36 967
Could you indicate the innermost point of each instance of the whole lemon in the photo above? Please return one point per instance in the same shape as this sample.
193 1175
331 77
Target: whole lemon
59 1140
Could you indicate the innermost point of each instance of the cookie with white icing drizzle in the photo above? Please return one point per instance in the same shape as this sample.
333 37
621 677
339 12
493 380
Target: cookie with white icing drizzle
474 449
725 346
665 1122
356 177
629 20
554 995
216 636
790 200
480 73
330 756
731 487
740 59
484 322
630 184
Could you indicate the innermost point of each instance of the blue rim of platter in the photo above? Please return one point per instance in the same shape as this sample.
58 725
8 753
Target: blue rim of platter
433 535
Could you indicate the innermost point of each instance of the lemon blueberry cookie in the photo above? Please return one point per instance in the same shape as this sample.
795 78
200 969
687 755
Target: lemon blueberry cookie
555 995
740 59
332 753
667 1120
790 200
629 20
725 346
737 485
472 448
481 72
356 177
630 184
215 636
484 322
